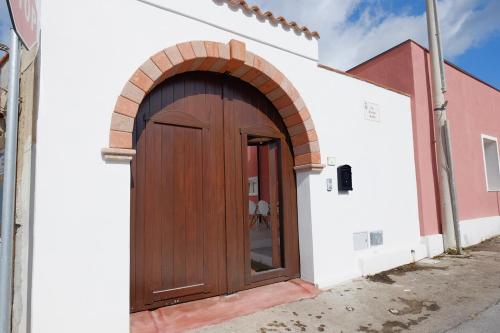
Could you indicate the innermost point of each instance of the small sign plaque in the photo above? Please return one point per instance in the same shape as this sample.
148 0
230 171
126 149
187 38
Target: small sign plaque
372 112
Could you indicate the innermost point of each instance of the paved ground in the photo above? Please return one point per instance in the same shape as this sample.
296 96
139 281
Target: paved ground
450 294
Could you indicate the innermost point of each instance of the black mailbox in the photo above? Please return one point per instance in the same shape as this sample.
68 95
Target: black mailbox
344 177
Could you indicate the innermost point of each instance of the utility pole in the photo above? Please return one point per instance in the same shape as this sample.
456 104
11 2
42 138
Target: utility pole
9 188
447 192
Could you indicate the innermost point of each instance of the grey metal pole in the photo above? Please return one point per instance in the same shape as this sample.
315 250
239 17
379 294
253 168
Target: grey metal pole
451 180
9 188
447 192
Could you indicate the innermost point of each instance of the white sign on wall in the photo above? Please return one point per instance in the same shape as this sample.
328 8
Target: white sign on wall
372 112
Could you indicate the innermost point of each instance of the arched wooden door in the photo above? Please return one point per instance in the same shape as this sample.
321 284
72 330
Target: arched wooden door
213 192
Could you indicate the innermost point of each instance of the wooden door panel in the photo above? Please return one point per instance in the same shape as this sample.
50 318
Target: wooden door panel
174 211
189 191
247 111
178 189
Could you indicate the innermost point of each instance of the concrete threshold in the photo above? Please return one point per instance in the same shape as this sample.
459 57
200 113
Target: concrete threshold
215 310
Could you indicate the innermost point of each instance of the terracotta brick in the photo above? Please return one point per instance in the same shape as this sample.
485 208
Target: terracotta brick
237 50
304 137
305 126
282 102
239 72
237 53
219 65
268 87
200 55
310 147
304 113
277 76
199 49
175 57
224 51
260 80
311 158
286 85
292 120
212 49
249 59
161 60
275 94
133 93
222 61
288 111
126 107
232 66
150 69
247 66
196 64
122 123
251 75
292 93
265 67
119 139
188 56
207 64
299 103
141 80
186 51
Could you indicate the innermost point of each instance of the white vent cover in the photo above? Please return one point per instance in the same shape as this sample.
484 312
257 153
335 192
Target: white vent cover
360 240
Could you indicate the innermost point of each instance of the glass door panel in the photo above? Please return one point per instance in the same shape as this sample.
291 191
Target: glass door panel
264 198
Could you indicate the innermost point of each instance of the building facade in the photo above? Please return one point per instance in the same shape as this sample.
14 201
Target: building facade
189 150
474 120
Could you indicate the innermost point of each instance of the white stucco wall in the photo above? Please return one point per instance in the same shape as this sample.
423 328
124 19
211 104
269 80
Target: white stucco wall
89 49
384 194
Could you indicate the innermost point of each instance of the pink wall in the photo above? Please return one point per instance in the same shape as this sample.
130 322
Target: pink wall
473 109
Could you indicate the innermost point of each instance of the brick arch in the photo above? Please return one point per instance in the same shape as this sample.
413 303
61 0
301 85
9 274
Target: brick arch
231 58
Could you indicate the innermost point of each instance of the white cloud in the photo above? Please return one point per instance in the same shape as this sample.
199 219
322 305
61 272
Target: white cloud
346 42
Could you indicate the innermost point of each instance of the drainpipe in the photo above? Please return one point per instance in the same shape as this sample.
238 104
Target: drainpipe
9 189
447 192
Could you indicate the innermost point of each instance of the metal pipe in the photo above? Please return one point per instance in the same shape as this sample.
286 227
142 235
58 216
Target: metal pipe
447 192
9 189
451 180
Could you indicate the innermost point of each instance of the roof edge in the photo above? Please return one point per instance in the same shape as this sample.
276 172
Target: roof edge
331 69
449 63
268 15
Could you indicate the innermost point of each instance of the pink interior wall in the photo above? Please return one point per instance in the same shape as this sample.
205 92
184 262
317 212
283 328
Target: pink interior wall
473 109
254 164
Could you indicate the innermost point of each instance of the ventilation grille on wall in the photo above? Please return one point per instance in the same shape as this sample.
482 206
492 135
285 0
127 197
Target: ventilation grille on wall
365 240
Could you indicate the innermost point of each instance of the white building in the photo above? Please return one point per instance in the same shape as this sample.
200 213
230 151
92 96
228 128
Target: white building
162 82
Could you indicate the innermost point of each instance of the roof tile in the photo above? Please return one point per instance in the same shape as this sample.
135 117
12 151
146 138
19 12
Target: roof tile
272 18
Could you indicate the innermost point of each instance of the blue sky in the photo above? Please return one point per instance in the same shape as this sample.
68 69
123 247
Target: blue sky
355 30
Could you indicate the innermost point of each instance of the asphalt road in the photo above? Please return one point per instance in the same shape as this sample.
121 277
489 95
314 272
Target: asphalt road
487 321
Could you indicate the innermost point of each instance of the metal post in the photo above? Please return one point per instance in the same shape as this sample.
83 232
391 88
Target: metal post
451 180
9 188
449 217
